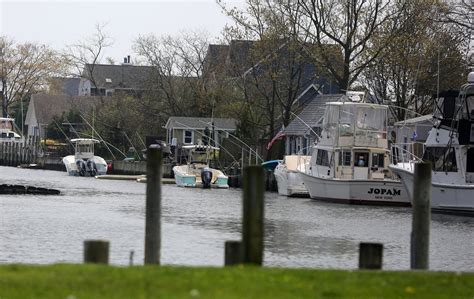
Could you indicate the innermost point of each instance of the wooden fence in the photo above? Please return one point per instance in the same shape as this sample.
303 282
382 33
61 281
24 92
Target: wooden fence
15 153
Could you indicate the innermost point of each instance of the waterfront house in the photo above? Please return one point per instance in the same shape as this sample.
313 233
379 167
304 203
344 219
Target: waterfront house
413 129
301 132
182 130
43 107
107 79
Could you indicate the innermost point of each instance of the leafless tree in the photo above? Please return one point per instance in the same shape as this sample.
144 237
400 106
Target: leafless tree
24 69
351 25
82 57
177 71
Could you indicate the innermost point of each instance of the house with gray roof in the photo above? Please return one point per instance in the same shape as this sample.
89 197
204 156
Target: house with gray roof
43 107
182 130
106 79
300 133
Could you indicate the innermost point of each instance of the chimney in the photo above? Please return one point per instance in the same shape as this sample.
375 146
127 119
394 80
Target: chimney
128 59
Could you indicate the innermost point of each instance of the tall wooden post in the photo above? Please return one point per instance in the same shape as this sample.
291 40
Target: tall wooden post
153 205
420 234
253 213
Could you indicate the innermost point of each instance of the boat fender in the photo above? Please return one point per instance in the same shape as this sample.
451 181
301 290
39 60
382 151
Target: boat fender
206 177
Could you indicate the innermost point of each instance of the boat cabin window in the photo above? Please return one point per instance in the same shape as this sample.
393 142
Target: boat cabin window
361 159
378 160
441 158
322 158
4 135
345 158
188 137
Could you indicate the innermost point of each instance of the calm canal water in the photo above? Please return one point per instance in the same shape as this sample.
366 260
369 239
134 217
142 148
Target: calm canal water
299 232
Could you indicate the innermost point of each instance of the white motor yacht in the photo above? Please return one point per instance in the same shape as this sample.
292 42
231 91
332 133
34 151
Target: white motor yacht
450 149
350 161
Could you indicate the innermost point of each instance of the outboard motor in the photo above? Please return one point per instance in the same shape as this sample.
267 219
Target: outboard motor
92 167
81 167
206 177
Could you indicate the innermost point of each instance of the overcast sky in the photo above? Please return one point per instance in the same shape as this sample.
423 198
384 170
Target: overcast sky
61 22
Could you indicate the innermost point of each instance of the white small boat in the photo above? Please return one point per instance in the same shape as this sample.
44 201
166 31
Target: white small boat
350 161
288 179
84 162
196 172
450 149
6 130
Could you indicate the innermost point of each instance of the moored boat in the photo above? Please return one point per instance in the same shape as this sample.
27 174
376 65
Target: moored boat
350 161
450 149
84 162
288 179
7 134
196 172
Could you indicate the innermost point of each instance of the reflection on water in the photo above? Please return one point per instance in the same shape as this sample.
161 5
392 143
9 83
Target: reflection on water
196 223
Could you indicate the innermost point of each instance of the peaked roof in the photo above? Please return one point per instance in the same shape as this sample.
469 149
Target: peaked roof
124 76
200 123
46 106
311 114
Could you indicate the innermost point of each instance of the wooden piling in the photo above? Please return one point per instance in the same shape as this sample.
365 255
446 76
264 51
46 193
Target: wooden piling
233 253
153 205
96 251
370 256
253 213
421 203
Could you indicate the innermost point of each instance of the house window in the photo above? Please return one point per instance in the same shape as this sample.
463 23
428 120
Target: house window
188 137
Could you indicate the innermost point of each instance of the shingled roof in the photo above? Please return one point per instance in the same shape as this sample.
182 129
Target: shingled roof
46 106
311 114
125 76
200 123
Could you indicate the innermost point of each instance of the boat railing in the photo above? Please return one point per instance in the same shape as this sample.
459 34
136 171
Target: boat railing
407 153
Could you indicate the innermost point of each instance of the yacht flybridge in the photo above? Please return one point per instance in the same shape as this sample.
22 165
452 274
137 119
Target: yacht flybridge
450 149
6 130
350 161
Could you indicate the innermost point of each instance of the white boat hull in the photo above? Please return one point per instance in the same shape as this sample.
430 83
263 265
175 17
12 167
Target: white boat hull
454 198
289 182
356 191
185 177
72 169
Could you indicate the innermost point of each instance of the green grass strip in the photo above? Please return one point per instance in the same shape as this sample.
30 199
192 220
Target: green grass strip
96 281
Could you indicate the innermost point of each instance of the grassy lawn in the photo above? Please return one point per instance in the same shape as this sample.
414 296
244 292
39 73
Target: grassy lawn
94 281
